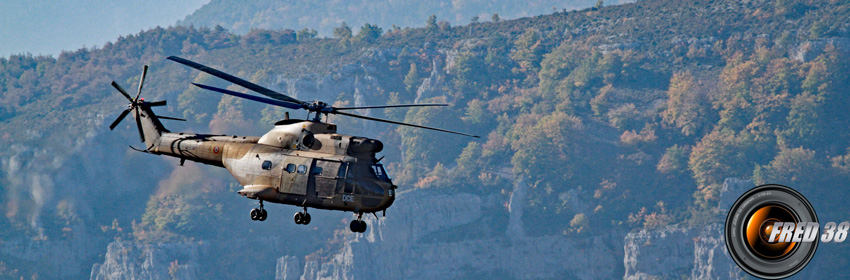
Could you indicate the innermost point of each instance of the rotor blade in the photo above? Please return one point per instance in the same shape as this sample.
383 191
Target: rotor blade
280 103
391 106
170 118
230 78
407 124
139 125
118 120
122 91
157 103
142 81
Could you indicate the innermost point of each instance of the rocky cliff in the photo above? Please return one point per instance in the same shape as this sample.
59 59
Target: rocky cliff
694 253
433 236
681 252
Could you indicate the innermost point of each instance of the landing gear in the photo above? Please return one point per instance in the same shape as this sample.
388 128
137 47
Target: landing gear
259 214
302 218
358 225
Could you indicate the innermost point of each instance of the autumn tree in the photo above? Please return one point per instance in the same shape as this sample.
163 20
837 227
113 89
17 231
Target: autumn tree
687 108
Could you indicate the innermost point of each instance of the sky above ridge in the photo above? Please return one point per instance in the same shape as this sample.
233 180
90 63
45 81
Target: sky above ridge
47 27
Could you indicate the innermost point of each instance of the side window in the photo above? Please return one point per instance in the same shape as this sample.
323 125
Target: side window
342 169
267 165
317 170
302 169
290 168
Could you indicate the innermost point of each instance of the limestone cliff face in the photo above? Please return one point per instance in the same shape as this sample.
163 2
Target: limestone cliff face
131 260
428 235
677 252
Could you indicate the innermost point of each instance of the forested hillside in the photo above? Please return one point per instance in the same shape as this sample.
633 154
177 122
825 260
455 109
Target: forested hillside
620 118
321 17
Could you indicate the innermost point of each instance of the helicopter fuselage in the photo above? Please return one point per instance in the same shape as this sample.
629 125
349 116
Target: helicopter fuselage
301 163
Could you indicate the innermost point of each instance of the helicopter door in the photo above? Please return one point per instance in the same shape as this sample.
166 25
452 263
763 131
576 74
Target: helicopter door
293 179
326 175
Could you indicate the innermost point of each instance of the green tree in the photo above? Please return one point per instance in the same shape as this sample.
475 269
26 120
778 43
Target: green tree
369 33
554 141
343 31
795 167
431 23
495 18
469 73
306 33
675 160
411 80
722 154
528 52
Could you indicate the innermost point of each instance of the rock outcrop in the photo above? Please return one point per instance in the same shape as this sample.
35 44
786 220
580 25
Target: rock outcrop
693 253
131 260
435 236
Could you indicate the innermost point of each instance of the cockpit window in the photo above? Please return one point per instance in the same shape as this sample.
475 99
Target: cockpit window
267 165
378 170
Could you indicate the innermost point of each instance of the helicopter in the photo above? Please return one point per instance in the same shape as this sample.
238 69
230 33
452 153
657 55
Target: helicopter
304 163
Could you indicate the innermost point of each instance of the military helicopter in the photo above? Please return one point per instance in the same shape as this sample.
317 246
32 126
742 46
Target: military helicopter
298 162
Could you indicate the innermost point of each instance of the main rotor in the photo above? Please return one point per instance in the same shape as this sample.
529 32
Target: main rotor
317 107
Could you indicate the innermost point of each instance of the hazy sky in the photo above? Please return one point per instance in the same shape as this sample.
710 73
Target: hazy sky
50 26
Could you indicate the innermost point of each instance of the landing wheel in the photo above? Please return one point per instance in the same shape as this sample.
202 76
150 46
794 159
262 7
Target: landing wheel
255 214
259 214
302 218
299 218
358 226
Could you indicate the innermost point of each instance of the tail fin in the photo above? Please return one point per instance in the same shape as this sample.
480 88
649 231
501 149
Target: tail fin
152 128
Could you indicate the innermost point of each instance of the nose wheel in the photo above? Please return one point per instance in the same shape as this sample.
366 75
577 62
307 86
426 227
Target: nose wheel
259 214
358 225
302 218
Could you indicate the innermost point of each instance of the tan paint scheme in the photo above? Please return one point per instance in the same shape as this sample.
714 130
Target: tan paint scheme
244 156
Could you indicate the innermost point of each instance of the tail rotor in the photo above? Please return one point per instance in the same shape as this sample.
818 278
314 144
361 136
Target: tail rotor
136 105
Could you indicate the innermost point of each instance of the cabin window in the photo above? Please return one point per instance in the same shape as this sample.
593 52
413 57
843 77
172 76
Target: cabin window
267 165
342 168
378 170
302 169
290 168
317 170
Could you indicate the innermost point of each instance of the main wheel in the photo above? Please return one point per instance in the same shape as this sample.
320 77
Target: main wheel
362 226
306 219
255 214
263 215
354 226
299 218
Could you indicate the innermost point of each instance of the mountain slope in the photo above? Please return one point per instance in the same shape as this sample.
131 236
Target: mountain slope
240 17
